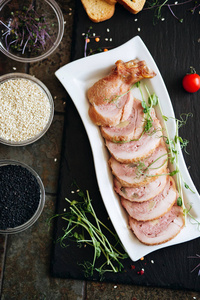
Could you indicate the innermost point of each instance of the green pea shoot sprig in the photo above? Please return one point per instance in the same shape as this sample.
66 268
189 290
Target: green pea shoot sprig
83 227
172 143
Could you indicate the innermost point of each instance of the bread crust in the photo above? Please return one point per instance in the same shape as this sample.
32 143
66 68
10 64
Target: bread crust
99 10
111 1
134 6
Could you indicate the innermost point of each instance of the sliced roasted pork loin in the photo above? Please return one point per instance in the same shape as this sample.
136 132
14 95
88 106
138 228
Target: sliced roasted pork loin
129 129
160 230
119 81
112 113
138 149
154 208
141 193
140 173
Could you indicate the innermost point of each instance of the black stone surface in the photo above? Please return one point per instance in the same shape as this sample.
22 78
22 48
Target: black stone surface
175 47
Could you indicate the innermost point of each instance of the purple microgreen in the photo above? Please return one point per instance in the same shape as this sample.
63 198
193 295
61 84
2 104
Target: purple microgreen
27 31
197 266
173 14
157 6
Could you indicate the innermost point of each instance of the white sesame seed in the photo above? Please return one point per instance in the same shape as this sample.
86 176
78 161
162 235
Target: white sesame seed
106 39
70 14
64 209
65 22
108 30
94 34
152 261
135 20
176 2
14 68
163 19
55 159
72 192
115 286
83 33
110 40
24 109
138 29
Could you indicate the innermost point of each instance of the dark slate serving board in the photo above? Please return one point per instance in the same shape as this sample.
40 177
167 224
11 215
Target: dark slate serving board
175 47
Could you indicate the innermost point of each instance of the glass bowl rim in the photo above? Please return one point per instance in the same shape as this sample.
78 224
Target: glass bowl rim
36 215
41 85
59 37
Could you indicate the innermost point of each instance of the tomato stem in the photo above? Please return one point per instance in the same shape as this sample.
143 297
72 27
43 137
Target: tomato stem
192 70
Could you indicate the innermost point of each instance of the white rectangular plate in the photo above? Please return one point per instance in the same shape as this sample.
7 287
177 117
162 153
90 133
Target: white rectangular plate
77 77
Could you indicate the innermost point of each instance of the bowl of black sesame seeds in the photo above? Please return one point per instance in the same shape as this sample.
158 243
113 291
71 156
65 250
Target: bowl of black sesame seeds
22 196
30 30
26 109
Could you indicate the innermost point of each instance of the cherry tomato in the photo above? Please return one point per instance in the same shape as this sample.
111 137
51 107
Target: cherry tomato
191 82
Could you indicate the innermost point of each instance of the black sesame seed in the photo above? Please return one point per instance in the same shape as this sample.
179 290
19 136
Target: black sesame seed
19 196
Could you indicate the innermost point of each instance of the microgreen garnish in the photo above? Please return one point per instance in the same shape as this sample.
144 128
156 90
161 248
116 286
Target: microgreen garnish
198 265
147 106
152 102
142 168
179 201
158 5
115 98
196 222
174 152
89 51
83 227
26 31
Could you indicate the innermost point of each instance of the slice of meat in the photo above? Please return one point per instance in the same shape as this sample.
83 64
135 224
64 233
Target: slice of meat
129 129
141 193
140 173
160 230
154 208
119 81
140 148
111 114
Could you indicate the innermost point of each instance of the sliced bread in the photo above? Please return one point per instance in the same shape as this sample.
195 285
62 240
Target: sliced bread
111 1
134 6
98 10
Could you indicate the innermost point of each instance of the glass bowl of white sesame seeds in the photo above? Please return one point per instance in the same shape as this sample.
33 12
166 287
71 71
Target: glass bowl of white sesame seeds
30 30
26 109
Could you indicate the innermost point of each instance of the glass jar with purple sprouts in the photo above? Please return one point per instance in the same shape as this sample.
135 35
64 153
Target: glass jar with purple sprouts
30 31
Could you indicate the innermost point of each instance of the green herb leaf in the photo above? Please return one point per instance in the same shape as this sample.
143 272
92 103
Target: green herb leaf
165 118
179 201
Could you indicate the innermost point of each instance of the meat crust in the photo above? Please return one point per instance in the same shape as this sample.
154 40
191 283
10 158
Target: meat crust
160 230
138 149
119 81
141 193
111 113
154 208
129 129
141 173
